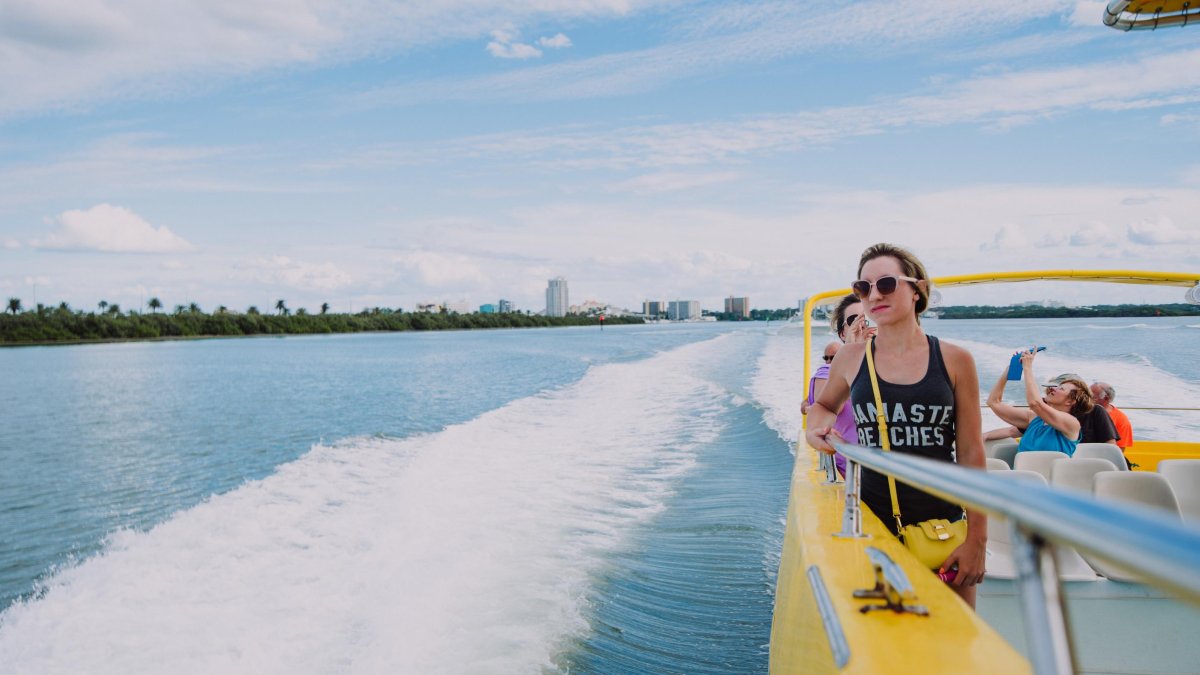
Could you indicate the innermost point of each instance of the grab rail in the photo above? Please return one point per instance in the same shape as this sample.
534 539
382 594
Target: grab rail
1165 553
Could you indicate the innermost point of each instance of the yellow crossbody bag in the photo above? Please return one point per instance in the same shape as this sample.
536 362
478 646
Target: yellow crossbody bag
931 541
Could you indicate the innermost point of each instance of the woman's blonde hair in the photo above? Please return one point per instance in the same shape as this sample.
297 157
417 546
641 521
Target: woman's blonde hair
910 266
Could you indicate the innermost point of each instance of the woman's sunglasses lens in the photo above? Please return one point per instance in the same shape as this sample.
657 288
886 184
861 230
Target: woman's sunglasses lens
886 286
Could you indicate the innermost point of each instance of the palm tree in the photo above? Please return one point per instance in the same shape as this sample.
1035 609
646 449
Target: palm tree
281 308
324 307
221 309
103 305
154 304
194 308
114 310
14 305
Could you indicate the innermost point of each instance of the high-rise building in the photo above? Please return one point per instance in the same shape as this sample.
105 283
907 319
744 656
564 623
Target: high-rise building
557 299
505 306
652 309
682 310
487 309
738 306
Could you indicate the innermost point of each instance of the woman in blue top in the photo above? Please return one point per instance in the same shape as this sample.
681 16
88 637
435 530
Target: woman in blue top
1050 422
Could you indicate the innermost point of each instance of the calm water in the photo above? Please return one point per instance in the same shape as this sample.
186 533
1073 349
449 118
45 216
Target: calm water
503 501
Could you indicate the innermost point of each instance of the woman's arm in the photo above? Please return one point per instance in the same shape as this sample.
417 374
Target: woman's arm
823 413
1002 432
1013 415
968 443
1064 422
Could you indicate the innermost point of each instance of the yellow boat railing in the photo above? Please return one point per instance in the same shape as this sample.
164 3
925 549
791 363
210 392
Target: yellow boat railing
1142 277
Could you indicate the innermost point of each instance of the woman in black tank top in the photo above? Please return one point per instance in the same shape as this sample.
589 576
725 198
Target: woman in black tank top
930 391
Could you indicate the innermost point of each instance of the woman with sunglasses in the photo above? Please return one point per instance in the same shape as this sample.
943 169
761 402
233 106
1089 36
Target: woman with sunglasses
1051 421
930 392
849 321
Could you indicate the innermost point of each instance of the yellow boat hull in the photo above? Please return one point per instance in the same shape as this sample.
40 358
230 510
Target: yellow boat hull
952 639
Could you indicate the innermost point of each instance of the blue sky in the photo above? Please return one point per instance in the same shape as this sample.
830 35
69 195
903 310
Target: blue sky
366 153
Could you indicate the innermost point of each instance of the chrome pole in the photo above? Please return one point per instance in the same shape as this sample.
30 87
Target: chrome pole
827 463
852 512
1042 604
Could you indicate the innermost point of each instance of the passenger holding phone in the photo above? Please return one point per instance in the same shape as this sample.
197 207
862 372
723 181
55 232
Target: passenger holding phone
850 323
1050 422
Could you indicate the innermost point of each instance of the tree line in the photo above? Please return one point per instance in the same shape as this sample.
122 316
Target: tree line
62 324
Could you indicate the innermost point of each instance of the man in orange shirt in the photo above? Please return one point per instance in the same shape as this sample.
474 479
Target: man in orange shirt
1103 395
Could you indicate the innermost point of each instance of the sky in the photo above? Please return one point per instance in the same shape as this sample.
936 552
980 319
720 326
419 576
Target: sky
368 153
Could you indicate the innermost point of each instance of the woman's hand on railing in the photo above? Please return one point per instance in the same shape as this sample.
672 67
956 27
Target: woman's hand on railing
822 438
970 558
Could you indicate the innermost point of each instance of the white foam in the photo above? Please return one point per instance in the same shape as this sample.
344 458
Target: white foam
779 384
468 550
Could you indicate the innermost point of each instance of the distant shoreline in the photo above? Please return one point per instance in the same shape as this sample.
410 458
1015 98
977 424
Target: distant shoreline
64 327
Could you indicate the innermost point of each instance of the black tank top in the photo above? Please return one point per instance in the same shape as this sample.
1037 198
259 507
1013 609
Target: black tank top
920 420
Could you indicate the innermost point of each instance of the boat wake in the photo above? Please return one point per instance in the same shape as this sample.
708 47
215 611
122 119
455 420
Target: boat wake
467 550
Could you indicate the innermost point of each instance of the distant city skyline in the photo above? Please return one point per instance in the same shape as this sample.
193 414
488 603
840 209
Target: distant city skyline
388 154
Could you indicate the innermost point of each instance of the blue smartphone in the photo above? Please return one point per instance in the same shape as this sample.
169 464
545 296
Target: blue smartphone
1015 369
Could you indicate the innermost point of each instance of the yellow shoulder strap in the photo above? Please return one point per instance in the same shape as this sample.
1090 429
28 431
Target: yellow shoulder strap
881 419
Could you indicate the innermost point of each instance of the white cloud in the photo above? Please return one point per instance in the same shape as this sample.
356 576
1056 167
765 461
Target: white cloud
110 229
738 34
669 181
1008 237
442 270
1087 13
281 270
10 244
63 53
503 46
997 101
559 41
1179 119
1092 234
1162 232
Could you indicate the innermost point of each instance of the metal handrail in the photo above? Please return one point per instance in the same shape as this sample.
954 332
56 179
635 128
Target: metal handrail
1139 539
1165 553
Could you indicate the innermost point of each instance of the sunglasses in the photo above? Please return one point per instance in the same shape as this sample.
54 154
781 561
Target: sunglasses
1058 387
845 322
828 359
886 285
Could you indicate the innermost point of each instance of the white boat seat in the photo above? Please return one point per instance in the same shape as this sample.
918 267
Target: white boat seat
1000 564
1004 449
1184 477
1038 460
1077 472
995 464
1138 487
1103 451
